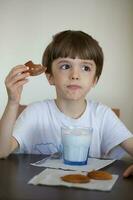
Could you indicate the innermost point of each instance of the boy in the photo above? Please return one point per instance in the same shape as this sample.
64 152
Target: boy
73 62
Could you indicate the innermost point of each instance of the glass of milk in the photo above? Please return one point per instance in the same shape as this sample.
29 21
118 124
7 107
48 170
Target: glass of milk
76 143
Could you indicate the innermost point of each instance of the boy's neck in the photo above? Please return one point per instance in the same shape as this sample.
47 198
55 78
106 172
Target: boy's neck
73 108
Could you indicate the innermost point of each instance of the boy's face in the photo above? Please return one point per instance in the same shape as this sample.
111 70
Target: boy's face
73 78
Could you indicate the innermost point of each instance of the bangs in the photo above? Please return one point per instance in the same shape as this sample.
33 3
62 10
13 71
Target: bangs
73 46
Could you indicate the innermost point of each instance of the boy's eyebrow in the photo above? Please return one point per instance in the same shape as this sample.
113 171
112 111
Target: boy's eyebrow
61 61
88 62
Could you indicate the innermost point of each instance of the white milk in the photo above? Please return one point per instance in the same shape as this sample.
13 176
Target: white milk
76 143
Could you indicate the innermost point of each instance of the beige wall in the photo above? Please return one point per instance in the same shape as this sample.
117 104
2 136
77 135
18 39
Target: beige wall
26 27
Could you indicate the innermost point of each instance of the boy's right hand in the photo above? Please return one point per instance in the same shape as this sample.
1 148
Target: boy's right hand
14 82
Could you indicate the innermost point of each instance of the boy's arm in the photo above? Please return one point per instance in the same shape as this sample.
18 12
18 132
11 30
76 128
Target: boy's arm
127 145
14 85
7 142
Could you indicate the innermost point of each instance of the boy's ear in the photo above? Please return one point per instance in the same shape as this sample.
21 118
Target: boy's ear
50 78
95 81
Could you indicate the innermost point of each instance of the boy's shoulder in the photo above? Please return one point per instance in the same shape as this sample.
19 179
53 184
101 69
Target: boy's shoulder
40 105
98 108
42 102
96 105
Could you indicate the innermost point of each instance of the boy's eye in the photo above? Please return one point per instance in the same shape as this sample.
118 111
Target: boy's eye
65 66
86 68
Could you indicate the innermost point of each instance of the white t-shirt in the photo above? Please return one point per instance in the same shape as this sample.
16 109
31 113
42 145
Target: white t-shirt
38 129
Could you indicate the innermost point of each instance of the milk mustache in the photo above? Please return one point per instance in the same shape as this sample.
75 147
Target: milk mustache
76 143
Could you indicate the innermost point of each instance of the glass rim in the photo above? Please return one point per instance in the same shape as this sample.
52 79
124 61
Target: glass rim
75 127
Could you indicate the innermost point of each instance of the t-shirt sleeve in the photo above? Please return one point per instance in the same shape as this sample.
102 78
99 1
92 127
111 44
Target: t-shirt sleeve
114 132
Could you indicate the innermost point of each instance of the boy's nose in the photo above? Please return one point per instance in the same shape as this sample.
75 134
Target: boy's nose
75 75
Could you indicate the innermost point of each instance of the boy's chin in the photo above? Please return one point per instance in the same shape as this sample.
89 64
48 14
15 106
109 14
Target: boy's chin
75 97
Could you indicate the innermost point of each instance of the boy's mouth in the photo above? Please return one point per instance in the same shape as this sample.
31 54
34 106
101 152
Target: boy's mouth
74 87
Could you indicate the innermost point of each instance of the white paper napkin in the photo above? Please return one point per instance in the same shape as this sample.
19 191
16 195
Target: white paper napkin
92 163
51 177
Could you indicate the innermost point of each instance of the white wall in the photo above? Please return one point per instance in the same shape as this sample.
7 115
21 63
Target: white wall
26 27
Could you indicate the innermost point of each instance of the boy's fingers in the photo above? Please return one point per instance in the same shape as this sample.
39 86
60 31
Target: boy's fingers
13 84
21 83
17 70
19 76
128 171
18 84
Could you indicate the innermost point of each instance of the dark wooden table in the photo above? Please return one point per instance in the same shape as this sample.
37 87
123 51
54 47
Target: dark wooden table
16 171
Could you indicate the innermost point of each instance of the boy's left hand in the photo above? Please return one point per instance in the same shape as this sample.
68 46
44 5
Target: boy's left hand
128 171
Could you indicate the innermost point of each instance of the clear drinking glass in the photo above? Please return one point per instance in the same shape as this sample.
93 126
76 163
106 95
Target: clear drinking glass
76 143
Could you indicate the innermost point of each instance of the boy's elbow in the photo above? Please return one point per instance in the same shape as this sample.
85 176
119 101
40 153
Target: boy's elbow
4 155
10 148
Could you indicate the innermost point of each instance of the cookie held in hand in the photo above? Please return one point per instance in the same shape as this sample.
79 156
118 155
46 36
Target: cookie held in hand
99 175
34 69
75 178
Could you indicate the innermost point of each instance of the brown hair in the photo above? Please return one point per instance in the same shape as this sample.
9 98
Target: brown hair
73 44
